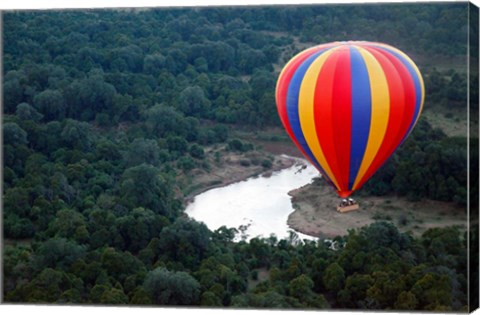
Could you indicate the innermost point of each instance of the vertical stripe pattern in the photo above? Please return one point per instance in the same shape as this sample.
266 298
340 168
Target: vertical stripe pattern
348 106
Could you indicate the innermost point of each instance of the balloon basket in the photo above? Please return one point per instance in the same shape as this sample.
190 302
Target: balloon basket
347 208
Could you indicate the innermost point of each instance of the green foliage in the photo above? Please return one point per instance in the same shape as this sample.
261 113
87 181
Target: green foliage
269 299
432 291
162 120
209 299
428 165
18 228
185 163
177 145
334 277
171 288
301 289
184 242
119 264
51 104
57 253
67 224
140 297
14 135
406 301
113 296
144 186
26 112
197 151
266 163
101 74
138 227
47 286
143 151
192 102
77 135
238 145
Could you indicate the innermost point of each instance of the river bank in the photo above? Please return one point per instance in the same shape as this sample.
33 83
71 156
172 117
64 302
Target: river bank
227 167
315 212
256 207
314 204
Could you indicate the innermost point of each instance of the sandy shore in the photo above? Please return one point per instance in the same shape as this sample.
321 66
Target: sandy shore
315 213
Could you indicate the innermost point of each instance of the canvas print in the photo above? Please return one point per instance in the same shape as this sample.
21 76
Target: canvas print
305 157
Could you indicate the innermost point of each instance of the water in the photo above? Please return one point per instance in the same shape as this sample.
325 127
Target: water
259 205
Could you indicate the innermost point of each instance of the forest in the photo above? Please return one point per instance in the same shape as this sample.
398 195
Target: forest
103 109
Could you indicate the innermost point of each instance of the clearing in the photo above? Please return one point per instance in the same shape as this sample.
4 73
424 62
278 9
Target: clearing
315 212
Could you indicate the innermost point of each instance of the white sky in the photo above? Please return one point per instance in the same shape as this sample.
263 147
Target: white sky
30 4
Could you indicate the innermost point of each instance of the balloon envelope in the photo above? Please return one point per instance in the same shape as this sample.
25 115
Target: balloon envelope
348 106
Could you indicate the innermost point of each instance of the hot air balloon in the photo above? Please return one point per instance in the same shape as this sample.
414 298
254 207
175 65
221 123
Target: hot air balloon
347 106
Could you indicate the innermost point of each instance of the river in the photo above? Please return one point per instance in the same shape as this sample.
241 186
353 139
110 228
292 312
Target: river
257 207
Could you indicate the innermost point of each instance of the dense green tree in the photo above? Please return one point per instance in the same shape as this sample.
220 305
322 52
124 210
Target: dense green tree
16 265
77 135
88 96
58 253
144 186
406 301
113 296
139 227
269 299
171 288
192 102
301 288
67 224
197 151
153 64
355 290
177 144
13 89
162 120
47 144
185 241
142 151
119 264
185 163
209 299
25 111
432 291
107 150
51 104
385 289
334 277
17 227
14 135
16 201
249 59
47 286
140 297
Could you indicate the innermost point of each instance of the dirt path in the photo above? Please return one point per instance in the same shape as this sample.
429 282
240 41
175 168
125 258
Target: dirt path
454 126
